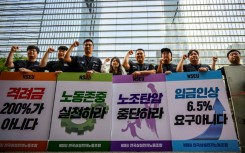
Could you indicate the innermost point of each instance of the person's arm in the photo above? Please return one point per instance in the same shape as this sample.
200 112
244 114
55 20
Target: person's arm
125 63
24 70
44 60
145 72
159 68
204 68
67 57
222 69
181 64
103 66
123 71
214 62
9 61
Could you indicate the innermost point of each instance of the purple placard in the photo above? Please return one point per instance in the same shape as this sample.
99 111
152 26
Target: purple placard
141 146
146 78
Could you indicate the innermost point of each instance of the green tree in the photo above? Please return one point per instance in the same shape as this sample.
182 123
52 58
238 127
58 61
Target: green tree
17 56
2 67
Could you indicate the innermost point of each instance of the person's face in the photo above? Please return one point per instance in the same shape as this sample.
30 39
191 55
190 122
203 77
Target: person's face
140 56
234 57
32 54
115 63
166 56
194 57
61 54
88 47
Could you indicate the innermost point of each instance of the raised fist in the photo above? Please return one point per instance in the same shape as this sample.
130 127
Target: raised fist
161 61
14 48
50 50
107 59
184 57
215 59
130 52
75 43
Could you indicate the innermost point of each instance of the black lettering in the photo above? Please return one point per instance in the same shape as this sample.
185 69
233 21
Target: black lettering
17 124
13 124
140 78
24 124
33 125
83 77
4 110
5 124
192 76
28 77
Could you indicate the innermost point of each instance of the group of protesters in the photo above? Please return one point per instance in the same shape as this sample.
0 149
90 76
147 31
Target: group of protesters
90 64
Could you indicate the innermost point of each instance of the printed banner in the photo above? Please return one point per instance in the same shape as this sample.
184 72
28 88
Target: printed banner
140 120
81 119
200 117
26 106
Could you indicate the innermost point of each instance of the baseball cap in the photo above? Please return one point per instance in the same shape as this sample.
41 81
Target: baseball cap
166 50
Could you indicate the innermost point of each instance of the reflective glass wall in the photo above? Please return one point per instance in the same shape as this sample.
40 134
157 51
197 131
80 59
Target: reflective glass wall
211 26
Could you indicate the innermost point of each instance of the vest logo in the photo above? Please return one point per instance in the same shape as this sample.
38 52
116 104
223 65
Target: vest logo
28 77
140 78
83 77
191 76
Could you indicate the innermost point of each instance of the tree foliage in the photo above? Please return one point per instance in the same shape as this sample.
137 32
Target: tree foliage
17 56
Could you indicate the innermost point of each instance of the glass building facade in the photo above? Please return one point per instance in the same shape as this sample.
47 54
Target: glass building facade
211 26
